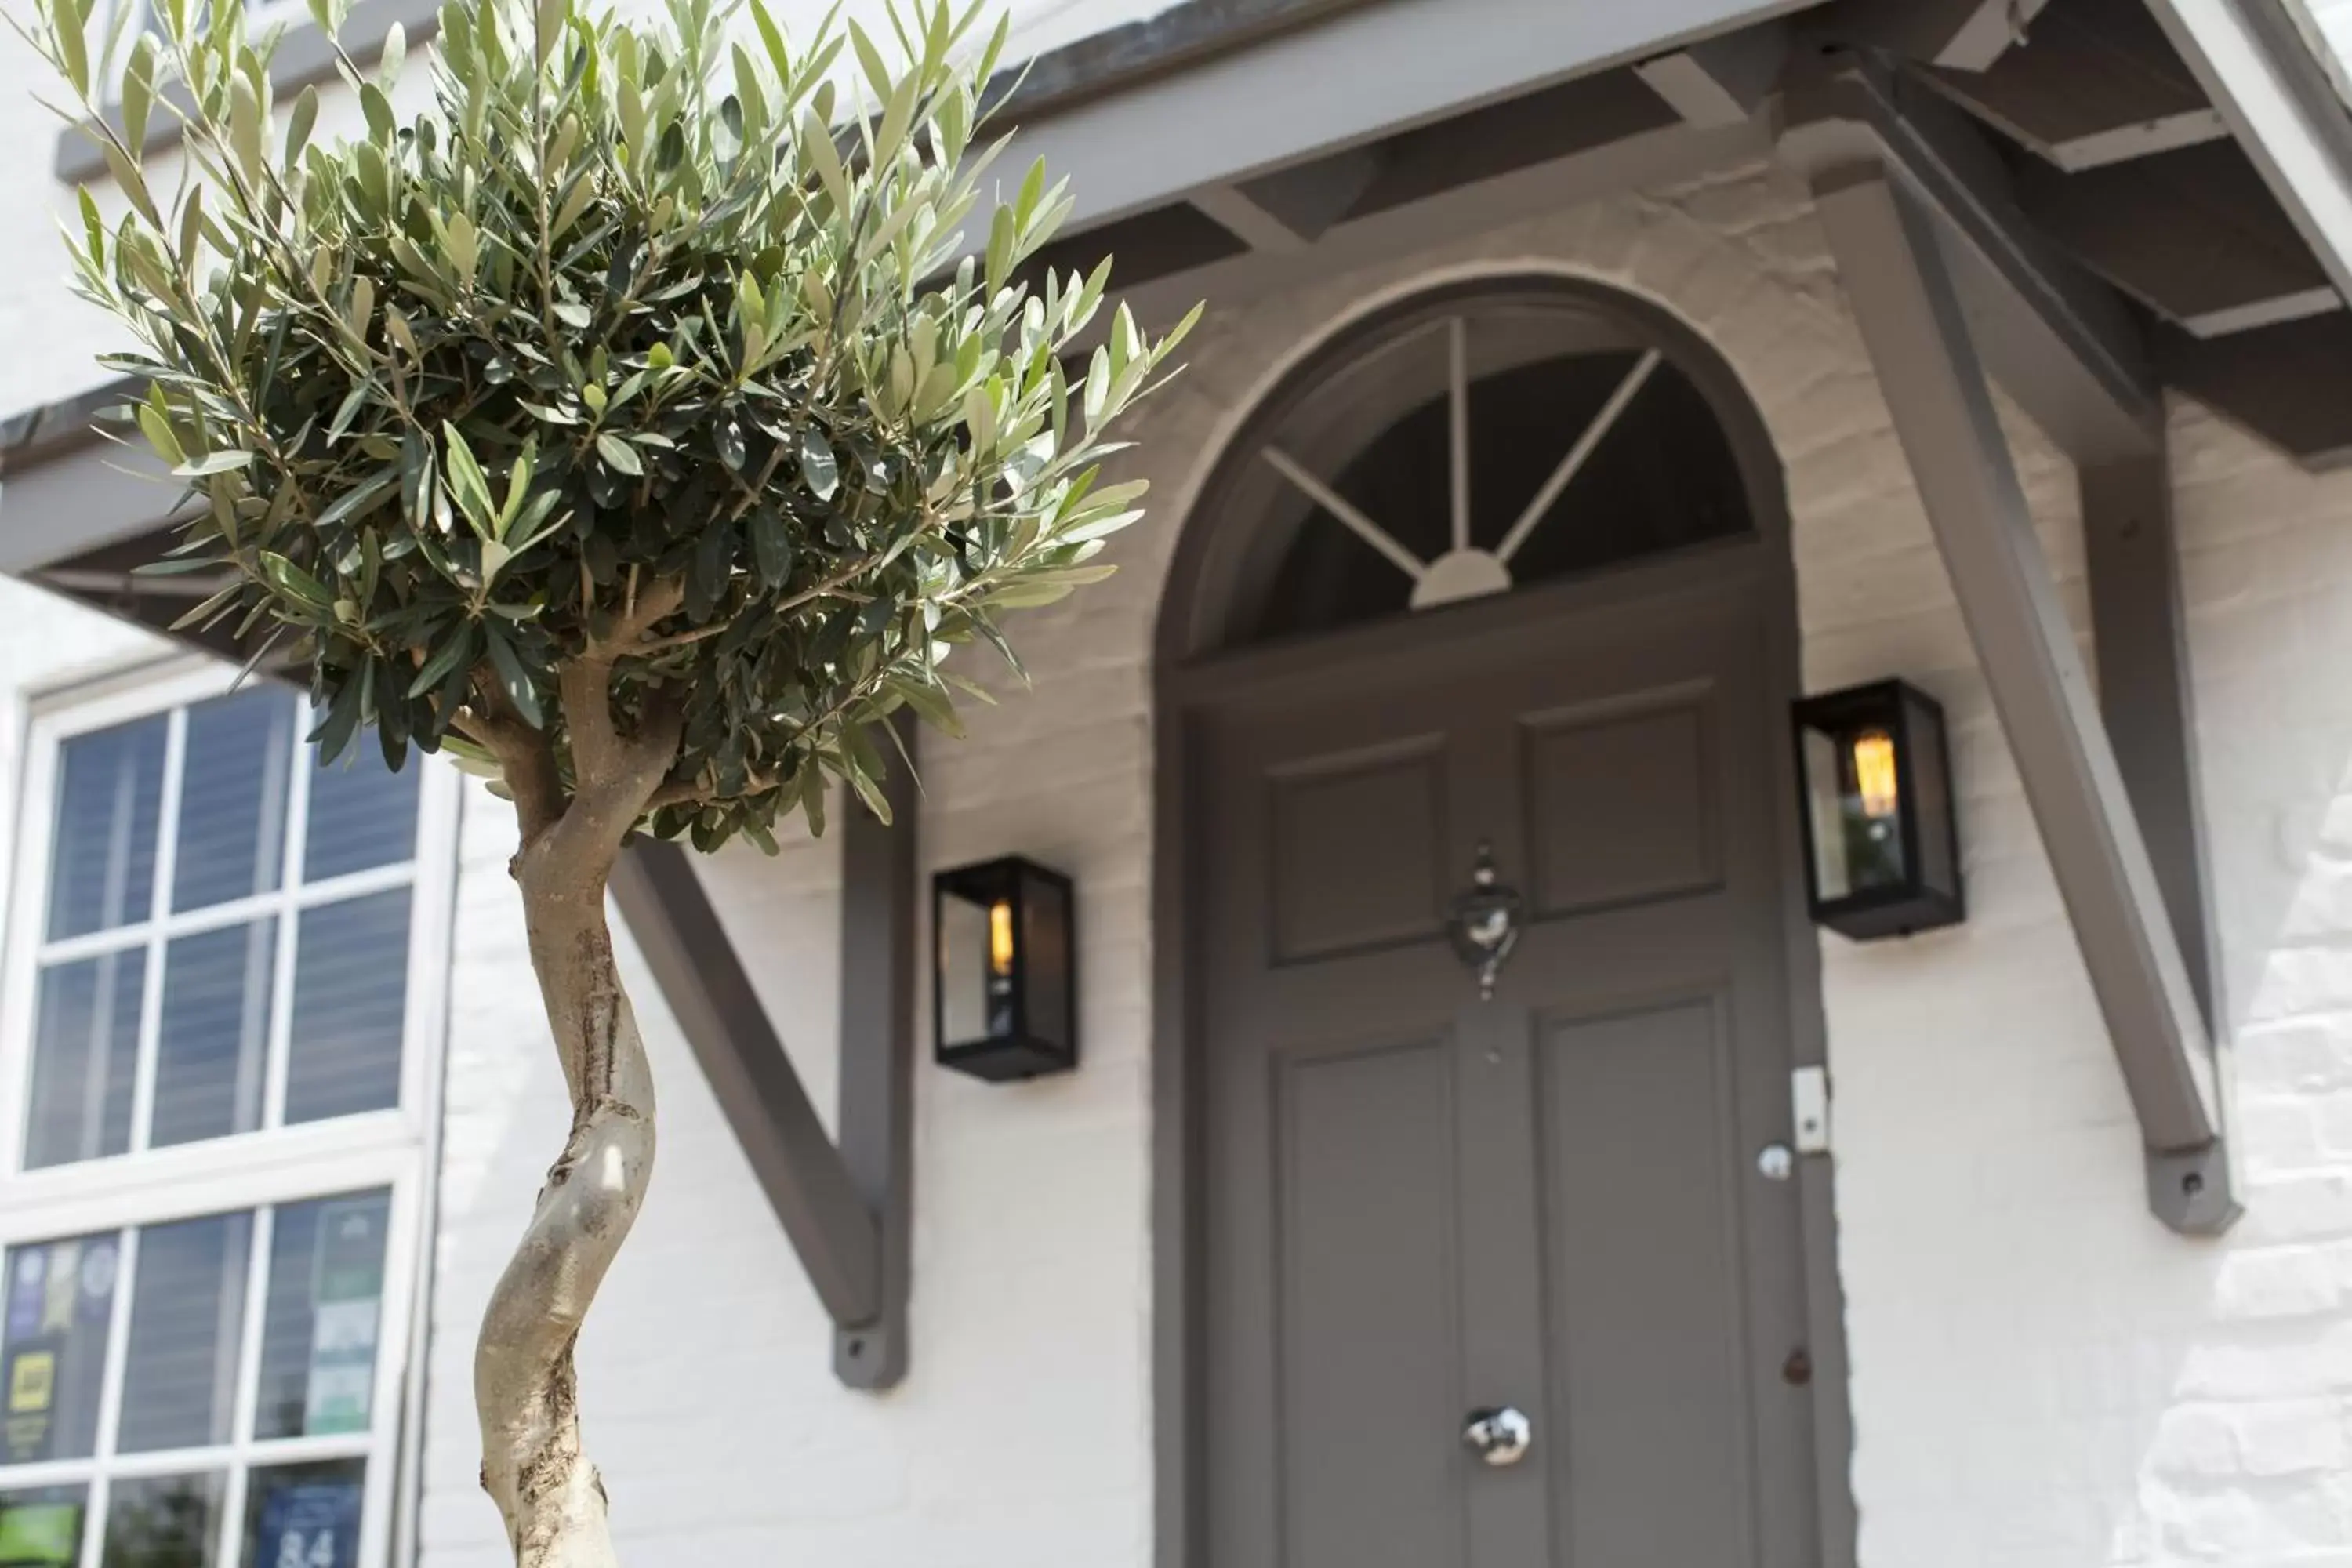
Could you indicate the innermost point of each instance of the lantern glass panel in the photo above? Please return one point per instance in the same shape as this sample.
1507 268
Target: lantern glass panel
1852 784
1931 796
976 951
1046 955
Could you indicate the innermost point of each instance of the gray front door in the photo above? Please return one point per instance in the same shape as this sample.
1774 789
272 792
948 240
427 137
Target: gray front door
1418 1203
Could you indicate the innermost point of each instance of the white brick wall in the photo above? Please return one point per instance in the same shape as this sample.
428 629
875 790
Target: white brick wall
2042 1376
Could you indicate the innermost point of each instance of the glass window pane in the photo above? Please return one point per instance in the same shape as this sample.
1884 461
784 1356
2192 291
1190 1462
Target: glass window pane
40 1527
179 1385
305 1516
1833 876
85 1050
213 1043
966 1001
350 985
53 1353
322 1317
233 787
361 814
163 1521
102 869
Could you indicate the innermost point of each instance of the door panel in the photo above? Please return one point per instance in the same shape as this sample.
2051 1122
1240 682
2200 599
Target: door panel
1618 803
1642 1261
1367 1309
1415 1202
1358 844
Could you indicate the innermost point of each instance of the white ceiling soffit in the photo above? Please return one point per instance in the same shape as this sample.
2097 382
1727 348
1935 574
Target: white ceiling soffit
2280 99
1361 73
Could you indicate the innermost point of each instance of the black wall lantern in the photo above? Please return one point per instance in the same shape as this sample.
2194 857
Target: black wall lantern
1882 845
1004 992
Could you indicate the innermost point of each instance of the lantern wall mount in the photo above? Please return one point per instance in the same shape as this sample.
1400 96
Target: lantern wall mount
1004 971
1881 839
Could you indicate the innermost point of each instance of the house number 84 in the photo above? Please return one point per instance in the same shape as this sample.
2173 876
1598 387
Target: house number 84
296 1550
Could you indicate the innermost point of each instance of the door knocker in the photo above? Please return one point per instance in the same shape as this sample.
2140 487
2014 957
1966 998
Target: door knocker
1484 923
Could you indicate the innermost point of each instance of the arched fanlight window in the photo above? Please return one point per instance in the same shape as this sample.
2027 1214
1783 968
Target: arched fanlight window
1462 445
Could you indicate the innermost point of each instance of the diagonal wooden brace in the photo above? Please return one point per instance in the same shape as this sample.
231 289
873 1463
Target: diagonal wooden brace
847 1208
1890 244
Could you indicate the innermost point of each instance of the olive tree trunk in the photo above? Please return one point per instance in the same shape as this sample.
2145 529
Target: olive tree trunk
526 1390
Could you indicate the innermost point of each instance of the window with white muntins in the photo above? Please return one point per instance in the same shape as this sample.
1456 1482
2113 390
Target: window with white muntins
219 1019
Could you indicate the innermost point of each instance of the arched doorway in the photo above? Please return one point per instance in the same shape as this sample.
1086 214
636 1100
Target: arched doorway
1483 969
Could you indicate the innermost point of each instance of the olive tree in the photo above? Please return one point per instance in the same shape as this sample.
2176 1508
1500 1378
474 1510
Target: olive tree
635 422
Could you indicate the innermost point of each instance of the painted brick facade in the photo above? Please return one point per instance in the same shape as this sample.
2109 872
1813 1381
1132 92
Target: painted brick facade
2042 1378
2041 1375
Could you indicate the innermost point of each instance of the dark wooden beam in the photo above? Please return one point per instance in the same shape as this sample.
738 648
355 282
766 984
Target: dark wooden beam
1720 80
844 1208
726 1024
2098 84
2290 385
1672 155
1290 209
1917 333
2140 639
878 891
1160 242
2284 109
1963 35
2057 339
1580 115
2193 233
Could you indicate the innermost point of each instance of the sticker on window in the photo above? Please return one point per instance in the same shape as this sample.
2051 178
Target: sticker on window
349 1276
60 1298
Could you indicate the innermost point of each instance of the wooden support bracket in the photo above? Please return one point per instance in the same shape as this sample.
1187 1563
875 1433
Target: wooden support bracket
847 1208
1892 263
2059 340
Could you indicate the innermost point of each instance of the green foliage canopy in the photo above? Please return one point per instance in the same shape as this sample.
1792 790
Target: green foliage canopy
651 345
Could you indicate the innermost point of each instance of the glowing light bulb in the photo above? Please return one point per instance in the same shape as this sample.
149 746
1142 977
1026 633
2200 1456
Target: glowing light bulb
1000 938
1873 773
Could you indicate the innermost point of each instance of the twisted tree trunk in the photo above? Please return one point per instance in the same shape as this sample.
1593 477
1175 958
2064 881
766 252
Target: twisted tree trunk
525 1392
525 1389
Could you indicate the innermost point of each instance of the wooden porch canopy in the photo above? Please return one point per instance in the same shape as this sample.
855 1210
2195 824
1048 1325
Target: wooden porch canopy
2088 200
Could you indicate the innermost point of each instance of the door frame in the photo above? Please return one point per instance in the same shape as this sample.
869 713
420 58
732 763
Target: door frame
1185 682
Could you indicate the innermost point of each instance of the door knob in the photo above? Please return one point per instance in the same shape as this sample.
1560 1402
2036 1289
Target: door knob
1500 1437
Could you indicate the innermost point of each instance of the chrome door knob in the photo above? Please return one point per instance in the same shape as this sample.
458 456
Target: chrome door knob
1500 1437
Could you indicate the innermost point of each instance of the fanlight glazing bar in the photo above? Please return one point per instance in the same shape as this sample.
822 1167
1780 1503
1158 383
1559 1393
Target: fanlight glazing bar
1578 454
1330 500
1458 332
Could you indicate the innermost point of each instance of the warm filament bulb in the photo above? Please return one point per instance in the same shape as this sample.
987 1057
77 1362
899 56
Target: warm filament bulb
1873 773
1000 937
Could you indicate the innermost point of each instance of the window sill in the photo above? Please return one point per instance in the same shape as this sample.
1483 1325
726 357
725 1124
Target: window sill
304 56
241 1171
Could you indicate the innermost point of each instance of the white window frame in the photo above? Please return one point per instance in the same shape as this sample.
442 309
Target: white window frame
387 1150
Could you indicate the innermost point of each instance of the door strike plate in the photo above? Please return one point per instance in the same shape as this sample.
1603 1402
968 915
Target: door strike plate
1809 1106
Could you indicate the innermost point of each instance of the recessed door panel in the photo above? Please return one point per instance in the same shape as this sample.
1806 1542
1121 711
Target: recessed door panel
1618 803
1646 1308
1368 1323
1357 848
